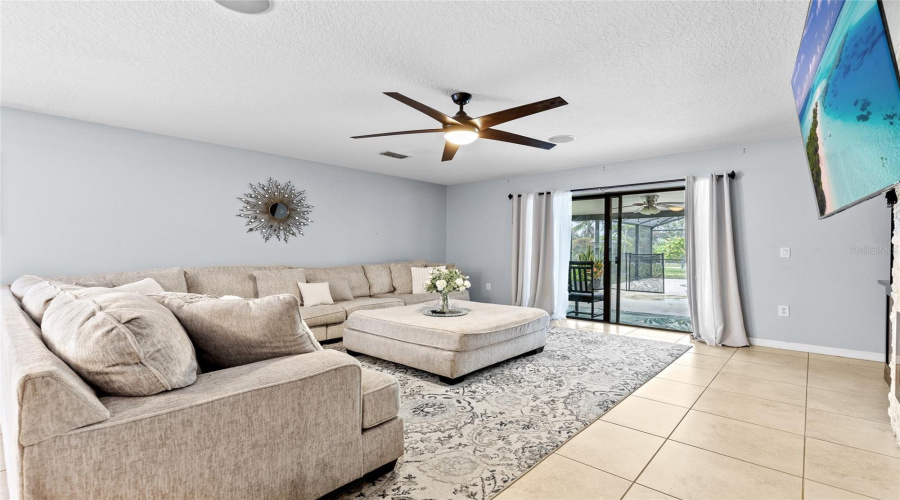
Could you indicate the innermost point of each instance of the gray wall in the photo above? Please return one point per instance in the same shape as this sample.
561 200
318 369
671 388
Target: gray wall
829 282
77 197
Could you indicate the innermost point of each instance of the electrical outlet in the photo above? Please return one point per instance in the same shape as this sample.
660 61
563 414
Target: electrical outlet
785 252
487 286
784 311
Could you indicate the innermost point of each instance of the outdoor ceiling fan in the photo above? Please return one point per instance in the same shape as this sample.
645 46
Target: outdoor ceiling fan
461 129
650 205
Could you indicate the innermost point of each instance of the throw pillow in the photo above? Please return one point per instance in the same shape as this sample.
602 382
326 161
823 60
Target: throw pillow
340 290
315 294
234 332
420 275
145 286
379 277
401 276
125 344
21 286
279 281
39 296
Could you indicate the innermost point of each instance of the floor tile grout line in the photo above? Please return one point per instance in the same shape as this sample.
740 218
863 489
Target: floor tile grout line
595 468
722 454
844 393
555 452
760 378
738 459
747 421
673 429
852 447
836 487
780 354
850 416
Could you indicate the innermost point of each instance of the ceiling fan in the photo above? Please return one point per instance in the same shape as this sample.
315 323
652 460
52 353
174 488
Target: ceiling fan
650 205
461 129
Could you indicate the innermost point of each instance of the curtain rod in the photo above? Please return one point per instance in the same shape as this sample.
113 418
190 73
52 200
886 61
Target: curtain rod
730 175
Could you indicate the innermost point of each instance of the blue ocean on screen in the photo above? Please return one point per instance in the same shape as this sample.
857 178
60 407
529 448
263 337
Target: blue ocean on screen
848 99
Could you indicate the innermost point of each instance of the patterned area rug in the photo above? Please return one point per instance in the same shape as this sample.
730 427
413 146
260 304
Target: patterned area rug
471 440
679 323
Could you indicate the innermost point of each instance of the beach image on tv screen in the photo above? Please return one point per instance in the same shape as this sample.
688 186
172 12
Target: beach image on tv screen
848 100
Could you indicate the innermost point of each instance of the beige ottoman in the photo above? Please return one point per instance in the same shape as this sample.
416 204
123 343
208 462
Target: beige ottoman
447 347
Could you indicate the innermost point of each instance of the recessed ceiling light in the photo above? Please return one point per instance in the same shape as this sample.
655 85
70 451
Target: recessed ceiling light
246 6
562 139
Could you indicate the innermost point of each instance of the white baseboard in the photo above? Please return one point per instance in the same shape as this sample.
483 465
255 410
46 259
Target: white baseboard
817 349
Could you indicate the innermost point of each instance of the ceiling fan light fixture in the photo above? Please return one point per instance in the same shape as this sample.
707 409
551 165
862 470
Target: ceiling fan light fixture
461 137
246 6
649 210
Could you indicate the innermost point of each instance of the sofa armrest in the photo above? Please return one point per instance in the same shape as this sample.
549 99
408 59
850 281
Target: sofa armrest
42 397
282 428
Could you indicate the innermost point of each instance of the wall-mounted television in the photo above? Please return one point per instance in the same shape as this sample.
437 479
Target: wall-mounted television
848 99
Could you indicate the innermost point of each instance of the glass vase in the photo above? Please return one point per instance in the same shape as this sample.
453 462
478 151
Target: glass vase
444 306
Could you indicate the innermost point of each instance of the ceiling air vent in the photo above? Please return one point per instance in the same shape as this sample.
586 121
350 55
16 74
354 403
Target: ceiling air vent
393 155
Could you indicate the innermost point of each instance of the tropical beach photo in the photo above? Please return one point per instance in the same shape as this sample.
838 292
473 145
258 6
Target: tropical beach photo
848 101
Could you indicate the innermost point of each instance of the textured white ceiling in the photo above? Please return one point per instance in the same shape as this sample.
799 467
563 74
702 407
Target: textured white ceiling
641 78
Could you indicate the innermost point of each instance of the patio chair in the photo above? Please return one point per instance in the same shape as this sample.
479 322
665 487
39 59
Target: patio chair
581 286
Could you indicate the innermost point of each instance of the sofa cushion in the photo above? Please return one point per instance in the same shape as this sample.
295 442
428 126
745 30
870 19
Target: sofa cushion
380 398
401 276
419 298
316 294
379 277
323 315
354 275
171 279
230 333
278 281
21 286
224 280
125 344
367 303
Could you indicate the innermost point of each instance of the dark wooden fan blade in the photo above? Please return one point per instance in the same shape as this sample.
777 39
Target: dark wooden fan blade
518 112
499 135
437 115
423 131
450 149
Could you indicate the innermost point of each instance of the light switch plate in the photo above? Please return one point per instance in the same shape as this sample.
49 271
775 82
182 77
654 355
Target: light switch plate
784 310
785 252
487 286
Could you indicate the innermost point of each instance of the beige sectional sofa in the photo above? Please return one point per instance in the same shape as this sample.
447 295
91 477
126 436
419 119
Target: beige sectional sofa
291 427
374 286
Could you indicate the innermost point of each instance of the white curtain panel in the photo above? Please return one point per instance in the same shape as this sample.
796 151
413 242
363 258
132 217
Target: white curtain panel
712 286
541 244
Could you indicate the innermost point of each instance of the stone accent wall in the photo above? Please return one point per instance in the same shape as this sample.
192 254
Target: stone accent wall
894 409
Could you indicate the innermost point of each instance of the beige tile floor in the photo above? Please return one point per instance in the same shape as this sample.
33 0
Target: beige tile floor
724 423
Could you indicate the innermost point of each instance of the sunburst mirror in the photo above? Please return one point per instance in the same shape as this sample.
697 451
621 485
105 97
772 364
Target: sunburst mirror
275 209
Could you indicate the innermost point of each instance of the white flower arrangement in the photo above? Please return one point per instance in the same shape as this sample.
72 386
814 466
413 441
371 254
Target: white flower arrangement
444 281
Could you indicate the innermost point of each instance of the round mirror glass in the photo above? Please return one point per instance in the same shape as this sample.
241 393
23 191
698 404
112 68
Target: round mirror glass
278 210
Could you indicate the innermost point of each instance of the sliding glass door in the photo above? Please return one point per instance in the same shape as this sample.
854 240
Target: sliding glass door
627 264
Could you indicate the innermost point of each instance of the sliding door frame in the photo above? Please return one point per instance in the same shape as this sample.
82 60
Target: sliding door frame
607 247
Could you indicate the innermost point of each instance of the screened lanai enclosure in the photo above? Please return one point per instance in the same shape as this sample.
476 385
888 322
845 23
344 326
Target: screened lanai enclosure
628 263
